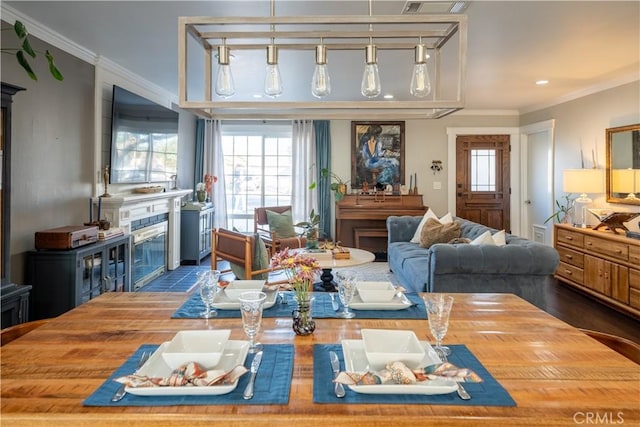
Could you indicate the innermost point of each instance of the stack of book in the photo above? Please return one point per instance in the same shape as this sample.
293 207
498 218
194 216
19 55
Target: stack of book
110 233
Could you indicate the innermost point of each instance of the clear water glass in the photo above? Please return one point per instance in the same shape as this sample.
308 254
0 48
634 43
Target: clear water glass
438 310
251 306
208 280
347 280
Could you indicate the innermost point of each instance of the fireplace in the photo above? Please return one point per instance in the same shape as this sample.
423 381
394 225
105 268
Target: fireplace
149 258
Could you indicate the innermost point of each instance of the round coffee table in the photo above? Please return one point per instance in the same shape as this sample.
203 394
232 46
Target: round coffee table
358 257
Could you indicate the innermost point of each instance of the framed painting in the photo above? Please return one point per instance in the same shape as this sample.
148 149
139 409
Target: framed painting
377 154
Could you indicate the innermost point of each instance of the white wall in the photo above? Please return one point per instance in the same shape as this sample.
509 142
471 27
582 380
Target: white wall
581 123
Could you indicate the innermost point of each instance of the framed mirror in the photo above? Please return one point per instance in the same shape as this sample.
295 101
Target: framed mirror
623 164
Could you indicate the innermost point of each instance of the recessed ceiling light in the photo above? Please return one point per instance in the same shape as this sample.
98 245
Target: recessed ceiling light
542 82
388 96
257 95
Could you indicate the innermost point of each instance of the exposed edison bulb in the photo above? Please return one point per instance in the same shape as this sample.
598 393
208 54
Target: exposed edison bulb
272 81
224 82
224 79
420 81
370 86
321 82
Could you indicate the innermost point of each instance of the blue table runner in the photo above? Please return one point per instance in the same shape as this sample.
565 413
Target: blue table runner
486 393
272 385
321 309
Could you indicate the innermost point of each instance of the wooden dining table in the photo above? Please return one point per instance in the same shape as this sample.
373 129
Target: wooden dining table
556 374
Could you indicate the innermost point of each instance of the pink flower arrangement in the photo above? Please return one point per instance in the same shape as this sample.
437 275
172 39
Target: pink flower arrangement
209 180
301 270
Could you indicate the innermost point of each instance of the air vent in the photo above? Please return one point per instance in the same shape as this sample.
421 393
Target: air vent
412 7
425 7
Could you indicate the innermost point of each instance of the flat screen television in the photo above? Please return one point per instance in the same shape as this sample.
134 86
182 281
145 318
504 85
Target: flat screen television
144 140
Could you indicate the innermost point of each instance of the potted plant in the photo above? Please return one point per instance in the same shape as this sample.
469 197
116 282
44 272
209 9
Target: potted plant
311 229
338 185
563 213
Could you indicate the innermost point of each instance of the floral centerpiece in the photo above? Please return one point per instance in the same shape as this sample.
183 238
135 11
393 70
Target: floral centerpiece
301 271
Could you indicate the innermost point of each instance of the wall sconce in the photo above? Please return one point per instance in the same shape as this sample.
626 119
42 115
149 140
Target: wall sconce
436 166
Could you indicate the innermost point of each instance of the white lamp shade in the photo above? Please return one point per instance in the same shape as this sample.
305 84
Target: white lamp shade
623 180
583 181
636 172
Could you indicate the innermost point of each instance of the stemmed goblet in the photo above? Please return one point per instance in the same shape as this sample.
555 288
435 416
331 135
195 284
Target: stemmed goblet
346 291
438 310
251 305
208 280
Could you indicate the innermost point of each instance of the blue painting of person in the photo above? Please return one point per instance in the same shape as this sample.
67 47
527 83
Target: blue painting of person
384 170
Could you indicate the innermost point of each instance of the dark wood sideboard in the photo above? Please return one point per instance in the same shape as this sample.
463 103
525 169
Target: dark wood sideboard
361 219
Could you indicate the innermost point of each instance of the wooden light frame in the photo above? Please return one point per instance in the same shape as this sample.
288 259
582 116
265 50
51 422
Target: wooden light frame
434 30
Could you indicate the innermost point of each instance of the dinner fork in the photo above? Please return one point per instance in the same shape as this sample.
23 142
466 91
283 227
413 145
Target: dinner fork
119 394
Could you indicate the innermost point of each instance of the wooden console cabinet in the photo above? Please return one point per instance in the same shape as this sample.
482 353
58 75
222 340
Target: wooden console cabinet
602 264
361 220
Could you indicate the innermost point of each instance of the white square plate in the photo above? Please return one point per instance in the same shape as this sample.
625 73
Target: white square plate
223 302
234 354
355 360
399 302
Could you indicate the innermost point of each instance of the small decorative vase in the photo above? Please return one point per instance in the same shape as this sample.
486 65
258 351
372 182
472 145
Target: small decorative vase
201 195
303 323
312 238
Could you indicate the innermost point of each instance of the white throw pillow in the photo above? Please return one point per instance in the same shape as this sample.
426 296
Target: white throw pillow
500 238
483 239
427 215
446 219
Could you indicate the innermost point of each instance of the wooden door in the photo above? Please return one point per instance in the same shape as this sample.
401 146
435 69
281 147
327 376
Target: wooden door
482 179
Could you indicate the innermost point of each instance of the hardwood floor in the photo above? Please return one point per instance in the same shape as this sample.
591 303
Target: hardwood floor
577 309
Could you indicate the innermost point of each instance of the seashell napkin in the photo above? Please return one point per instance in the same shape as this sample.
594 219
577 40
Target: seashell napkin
190 374
399 373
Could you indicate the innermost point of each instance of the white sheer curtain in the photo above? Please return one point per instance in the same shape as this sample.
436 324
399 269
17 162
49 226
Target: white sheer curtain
214 164
304 173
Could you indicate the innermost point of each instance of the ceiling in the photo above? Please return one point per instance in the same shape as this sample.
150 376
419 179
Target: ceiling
578 46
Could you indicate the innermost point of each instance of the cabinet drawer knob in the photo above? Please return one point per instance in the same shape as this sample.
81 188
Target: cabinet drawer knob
569 256
568 272
569 238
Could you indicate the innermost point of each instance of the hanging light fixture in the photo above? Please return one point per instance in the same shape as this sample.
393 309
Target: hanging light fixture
224 80
420 82
272 81
321 82
370 86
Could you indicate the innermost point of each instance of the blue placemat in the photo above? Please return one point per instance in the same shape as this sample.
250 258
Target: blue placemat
487 393
271 387
321 309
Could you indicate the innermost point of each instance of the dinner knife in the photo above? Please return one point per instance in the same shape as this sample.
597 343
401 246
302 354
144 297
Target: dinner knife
335 366
255 364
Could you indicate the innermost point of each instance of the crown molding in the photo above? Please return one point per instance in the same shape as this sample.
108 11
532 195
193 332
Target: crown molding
44 33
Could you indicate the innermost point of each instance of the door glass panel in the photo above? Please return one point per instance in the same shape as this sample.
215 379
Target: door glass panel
483 170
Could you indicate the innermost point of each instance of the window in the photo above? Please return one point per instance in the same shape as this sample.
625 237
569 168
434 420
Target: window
483 176
258 169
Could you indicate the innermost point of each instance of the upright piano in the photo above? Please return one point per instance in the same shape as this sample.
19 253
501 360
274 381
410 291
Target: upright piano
361 219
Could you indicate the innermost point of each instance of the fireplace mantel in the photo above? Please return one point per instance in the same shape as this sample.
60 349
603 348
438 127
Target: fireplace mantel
122 209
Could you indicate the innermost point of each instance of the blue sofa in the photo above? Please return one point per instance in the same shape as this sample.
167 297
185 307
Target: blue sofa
521 267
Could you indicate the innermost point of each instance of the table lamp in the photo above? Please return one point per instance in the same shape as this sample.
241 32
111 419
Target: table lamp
583 182
626 181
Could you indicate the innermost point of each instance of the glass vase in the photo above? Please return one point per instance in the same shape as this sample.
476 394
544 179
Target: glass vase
303 323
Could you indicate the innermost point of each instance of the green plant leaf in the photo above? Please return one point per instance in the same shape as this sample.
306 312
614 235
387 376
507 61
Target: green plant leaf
20 29
313 185
23 62
52 67
26 46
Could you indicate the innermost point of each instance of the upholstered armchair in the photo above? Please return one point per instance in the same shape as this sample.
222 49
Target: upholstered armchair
275 227
246 254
